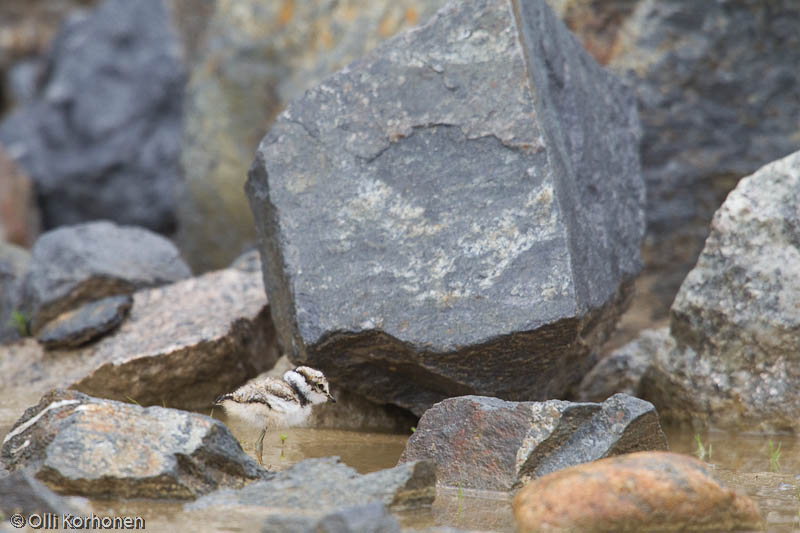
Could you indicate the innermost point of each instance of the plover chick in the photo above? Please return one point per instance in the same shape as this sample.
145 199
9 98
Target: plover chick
272 403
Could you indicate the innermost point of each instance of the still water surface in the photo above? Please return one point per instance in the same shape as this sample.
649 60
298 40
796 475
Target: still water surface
739 460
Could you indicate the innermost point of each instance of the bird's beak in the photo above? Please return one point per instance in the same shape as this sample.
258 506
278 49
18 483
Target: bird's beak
331 398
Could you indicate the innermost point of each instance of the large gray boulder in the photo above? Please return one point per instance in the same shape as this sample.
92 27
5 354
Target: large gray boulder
75 265
717 86
491 444
102 140
459 212
77 444
734 358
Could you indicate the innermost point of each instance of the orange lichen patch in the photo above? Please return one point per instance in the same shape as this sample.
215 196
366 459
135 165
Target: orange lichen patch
387 26
645 491
396 136
286 12
325 37
412 16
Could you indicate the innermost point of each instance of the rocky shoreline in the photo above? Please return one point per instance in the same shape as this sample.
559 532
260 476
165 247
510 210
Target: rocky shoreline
448 209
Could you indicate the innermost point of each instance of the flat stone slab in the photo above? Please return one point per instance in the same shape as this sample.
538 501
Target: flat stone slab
368 518
466 196
326 484
491 444
181 346
86 323
81 445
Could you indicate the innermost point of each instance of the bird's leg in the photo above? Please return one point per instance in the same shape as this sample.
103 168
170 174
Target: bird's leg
260 446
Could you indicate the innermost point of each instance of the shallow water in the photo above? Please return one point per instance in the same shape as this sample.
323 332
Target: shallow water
741 461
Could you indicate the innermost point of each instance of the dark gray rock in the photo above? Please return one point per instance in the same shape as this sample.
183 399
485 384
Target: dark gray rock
422 215
14 263
85 323
368 518
326 484
182 345
102 140
77 444
78 264
22 493
717 86
622 370
491 444
733 359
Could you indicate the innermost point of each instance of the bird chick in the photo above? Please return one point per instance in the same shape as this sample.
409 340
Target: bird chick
272 403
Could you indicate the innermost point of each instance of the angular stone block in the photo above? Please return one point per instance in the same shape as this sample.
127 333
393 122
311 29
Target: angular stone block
491 444
459 212
77 444
733 361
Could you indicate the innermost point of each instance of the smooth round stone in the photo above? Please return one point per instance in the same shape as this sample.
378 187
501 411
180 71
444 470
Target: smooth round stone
645 491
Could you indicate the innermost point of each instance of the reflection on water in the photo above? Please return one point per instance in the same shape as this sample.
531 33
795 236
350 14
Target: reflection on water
743 461
366 452
740 461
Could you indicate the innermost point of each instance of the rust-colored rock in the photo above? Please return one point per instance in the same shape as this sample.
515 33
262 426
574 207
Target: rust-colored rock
19 217
645 491
491 444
